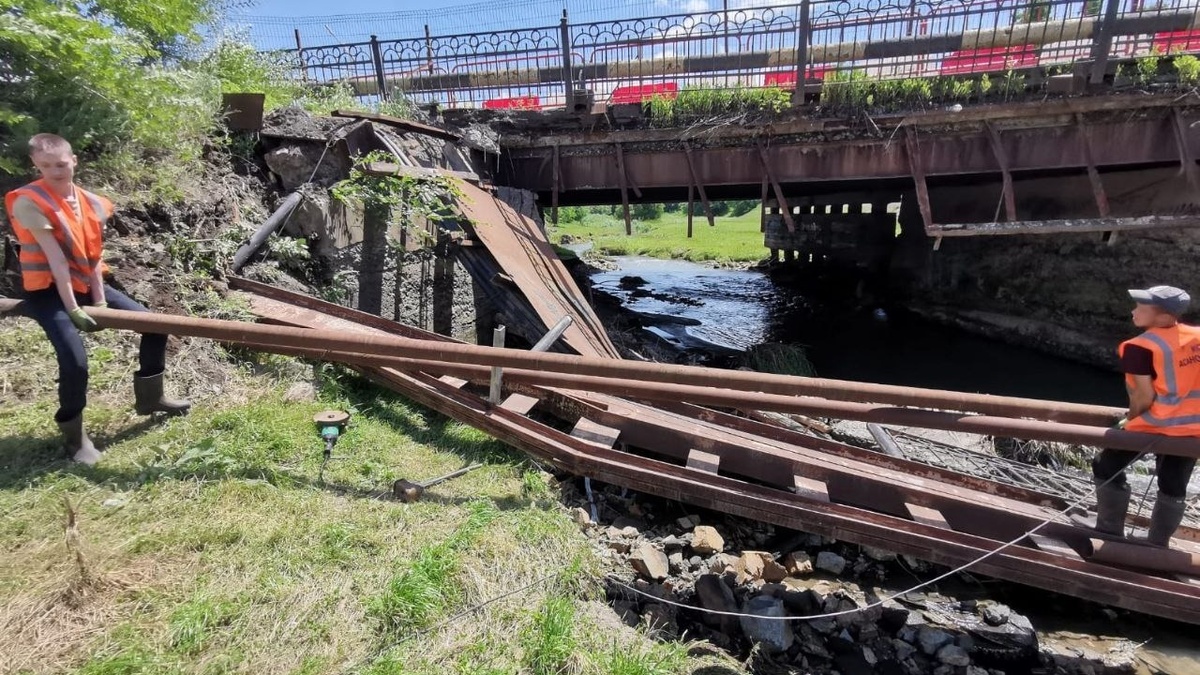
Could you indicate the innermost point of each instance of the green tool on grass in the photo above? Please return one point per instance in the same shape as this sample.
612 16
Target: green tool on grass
331 424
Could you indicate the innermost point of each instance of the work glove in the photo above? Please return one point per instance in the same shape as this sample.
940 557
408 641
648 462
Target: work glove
1120 424
82 321
101 304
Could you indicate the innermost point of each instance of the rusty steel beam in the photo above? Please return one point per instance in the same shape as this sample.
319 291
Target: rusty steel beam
1126 554
668 167
912 152
808 405
624 188
779 197
1071 575
1064 226
1098 193
646 377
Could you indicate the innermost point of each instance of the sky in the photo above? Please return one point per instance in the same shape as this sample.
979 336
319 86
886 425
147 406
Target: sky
326 8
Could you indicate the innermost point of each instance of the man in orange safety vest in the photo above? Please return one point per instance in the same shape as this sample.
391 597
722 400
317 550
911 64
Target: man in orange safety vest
1162 376
60 231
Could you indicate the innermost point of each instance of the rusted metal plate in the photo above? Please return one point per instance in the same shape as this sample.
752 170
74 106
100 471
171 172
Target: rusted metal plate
521 249
703 461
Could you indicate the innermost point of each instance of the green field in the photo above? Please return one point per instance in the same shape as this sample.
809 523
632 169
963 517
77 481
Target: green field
732 239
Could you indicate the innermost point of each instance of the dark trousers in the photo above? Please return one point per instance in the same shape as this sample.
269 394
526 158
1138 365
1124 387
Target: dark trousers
1173 471
47 309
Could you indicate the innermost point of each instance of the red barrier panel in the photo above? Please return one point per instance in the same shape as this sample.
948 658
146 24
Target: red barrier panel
992 59
1176 41
518 103
640 93
786 79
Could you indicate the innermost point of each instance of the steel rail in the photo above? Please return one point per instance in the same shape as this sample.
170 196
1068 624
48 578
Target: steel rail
638 375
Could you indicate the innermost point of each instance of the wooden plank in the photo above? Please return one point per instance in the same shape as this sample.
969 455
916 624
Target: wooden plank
407 125
927 516
457 383
813 489
704 461
519 403
594 432
1053 545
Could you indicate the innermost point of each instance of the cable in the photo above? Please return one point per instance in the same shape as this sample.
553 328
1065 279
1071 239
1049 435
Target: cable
476 608
881 602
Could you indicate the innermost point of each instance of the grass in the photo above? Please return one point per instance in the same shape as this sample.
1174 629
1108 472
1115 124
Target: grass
206 544
732 239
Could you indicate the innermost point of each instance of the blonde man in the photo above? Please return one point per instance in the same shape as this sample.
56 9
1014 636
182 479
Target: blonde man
60 230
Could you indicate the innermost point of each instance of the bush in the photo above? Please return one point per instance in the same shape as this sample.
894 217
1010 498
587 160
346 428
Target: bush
571 214
647 211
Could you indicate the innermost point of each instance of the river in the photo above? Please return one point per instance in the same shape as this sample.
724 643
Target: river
737 309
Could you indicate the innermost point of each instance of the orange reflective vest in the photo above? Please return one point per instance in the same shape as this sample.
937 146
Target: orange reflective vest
1176 407
81 239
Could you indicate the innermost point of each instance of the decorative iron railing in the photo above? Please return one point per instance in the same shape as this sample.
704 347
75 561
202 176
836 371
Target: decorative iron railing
830 41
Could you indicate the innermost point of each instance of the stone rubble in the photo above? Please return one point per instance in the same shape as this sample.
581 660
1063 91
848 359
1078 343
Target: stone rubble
730 565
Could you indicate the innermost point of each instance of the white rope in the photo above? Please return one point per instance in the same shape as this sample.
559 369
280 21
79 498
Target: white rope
880 603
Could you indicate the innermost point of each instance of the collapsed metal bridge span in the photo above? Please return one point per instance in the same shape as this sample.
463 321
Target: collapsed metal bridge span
693 434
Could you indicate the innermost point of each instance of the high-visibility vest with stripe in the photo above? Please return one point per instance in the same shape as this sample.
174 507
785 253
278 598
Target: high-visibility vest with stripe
1176 407
81 239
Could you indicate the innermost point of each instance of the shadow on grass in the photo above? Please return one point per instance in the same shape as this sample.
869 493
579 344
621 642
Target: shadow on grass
23 458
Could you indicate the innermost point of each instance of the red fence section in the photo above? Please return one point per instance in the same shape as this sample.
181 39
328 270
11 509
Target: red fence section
640 93
989 60
515 103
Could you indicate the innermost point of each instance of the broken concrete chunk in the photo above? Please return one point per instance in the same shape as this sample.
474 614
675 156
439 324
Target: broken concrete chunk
706 540
581 517
749 567
650 562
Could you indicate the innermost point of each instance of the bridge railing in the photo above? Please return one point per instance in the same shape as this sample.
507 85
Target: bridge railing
819 41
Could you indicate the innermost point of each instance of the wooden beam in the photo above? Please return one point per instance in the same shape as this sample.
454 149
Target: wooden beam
687 152
624 188
406 125
918 174
1098 193
1010 198
1067 225
783 205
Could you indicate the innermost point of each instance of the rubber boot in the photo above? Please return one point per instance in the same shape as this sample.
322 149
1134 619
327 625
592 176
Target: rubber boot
77 443
1112 504
1165 519
148 397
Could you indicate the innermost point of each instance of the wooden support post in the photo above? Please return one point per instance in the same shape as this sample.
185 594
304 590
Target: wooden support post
687 151
1085 139
918 174
497 373
690 207
1010 199
557 186
783 205
762 219
624 189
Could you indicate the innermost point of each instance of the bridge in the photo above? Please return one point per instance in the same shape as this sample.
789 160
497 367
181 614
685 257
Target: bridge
978 118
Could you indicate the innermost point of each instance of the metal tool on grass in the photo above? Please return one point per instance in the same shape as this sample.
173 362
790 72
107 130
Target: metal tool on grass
408 491
331 425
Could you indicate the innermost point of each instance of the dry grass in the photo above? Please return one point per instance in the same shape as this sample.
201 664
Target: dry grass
206 544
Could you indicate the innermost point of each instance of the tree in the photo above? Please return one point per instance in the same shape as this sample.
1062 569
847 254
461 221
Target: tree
1036 10
103 74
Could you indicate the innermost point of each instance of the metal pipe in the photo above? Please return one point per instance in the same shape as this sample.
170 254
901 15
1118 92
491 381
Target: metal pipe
726 398
1125 554
263 233
553 334
633 373
887 444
